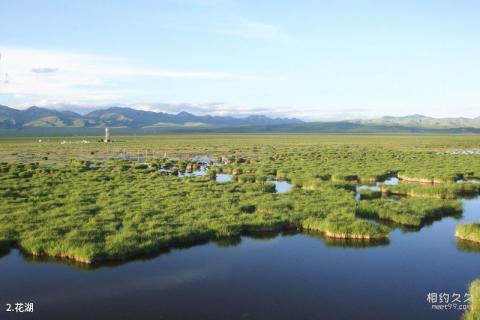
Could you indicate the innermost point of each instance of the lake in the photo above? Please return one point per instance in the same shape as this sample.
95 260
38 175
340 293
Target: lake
278 276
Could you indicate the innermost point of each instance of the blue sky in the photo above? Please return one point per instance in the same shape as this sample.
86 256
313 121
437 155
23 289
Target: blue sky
317 60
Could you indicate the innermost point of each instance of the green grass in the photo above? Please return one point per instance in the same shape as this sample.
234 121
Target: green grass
408 212
118 211
468 231
93 208
339 227
474 312
441 191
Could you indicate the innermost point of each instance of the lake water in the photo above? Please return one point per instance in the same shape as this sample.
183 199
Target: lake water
285 276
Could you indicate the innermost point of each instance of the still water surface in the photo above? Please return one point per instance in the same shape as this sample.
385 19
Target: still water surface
286 276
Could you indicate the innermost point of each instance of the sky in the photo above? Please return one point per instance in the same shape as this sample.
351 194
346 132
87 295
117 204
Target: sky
315 60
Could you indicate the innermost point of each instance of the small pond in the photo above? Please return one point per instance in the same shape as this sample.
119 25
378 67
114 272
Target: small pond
223 177
281 186
392 181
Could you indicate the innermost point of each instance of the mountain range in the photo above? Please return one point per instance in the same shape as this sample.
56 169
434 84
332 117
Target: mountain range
418 120
119 117
35 119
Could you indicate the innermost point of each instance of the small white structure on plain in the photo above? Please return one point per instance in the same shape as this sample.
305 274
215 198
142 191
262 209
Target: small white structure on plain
39 140
84 141
63 142
107 135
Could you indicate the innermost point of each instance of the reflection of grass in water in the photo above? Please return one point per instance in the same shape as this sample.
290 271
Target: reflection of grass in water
368 194
228 242
270 234
468 246
32 259
348 243
4 252
4 248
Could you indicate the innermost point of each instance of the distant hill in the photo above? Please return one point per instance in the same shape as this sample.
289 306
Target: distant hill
420 121
35 120
116 117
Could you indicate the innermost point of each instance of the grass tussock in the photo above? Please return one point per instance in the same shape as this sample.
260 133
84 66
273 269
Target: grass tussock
408 212
474 312
440 191
468 231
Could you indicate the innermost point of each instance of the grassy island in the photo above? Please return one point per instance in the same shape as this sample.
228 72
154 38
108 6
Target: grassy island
409 212
468 231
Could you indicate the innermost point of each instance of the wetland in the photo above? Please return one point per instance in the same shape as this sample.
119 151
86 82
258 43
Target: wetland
344 226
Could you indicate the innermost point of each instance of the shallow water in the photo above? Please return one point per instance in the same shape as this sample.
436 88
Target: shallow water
475 181
392 181
287 276
224 177
281 186
195 173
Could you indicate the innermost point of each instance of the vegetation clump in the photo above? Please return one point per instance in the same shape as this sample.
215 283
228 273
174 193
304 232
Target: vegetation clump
441 191
408 212
468 231
474 312
368 194
340 228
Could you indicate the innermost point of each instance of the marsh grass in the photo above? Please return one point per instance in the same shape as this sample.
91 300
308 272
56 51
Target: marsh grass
118 211
469 232
440 191
97 207
409 212
474 312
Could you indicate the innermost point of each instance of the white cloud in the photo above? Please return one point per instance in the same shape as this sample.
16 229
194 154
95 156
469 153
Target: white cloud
44 70
207 108
66 77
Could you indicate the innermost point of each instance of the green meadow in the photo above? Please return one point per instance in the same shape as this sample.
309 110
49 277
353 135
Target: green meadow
77 198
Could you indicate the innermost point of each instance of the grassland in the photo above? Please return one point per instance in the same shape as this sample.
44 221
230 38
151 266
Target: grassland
65 198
